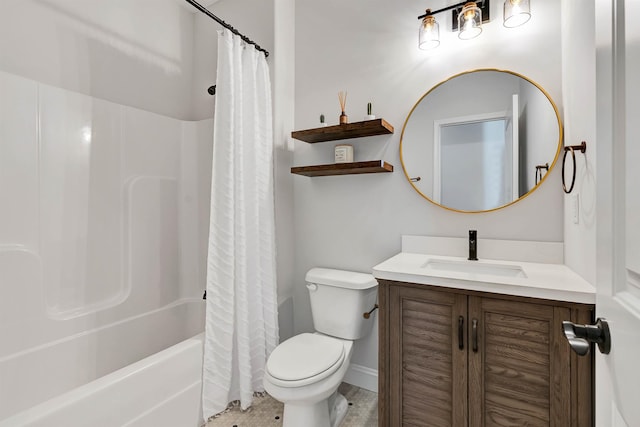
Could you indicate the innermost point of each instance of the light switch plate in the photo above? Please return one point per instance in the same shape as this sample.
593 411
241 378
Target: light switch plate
575 208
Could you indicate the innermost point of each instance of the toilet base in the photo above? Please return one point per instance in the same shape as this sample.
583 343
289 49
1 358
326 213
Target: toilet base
326 413
340 406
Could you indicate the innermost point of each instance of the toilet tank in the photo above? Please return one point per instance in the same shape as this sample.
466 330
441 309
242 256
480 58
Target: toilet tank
338 300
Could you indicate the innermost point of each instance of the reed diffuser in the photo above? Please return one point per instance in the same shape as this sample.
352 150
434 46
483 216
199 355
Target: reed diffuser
342 97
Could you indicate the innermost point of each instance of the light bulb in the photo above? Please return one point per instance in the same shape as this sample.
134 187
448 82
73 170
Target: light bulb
469 21
429 33
468 25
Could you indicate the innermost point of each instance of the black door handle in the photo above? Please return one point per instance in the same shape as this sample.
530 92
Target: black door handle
580 337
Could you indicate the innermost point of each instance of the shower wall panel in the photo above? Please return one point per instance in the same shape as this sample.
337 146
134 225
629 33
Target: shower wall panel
21 291
18 163
101 223
89 230
81 203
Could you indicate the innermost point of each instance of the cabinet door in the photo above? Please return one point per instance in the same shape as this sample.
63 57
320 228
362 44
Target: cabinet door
428 372
519 374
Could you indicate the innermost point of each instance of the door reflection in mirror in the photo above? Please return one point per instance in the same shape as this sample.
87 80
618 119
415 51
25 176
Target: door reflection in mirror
475 166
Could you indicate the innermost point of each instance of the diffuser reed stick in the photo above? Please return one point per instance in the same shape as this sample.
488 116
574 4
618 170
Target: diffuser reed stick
342 98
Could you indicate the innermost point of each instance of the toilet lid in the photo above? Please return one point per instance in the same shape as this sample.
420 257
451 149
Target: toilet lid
304 356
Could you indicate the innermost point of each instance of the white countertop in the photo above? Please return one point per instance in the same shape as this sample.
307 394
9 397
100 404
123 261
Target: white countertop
546 281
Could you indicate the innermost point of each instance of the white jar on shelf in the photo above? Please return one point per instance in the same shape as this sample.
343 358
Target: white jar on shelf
344 153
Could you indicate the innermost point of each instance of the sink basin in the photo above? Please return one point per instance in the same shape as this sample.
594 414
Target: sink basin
474 267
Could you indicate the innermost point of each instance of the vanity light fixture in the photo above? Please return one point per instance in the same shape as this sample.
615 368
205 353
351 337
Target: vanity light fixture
469 19
516 13
469 23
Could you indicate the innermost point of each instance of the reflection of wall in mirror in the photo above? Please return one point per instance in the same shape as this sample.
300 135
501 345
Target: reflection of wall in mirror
534 110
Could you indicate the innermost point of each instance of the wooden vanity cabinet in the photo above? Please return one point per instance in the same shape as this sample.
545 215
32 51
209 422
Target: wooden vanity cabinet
455 358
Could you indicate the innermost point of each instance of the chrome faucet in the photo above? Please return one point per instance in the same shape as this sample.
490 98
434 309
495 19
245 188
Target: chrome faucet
473 245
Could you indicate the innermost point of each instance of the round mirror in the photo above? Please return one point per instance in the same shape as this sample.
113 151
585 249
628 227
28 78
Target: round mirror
480 140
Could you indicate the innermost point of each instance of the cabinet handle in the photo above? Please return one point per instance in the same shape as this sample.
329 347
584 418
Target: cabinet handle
474 335
461 333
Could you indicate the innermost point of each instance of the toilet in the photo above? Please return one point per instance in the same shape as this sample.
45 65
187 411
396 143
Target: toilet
304 372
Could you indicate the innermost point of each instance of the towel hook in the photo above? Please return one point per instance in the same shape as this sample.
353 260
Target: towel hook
583 148
539 171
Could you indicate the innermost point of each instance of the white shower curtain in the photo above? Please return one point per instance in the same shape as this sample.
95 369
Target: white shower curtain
241 316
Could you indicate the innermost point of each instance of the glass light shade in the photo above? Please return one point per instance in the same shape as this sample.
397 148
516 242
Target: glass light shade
429 33
469 21
516 12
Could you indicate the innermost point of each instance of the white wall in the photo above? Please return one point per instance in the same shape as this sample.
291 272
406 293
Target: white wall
253 18
369 48
136 53
283 66
579 78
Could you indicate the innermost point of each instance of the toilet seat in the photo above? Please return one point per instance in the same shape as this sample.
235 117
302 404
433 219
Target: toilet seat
305 359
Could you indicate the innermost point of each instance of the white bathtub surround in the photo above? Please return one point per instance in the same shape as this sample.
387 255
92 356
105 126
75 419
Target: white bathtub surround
160 390
242 321
46 371
100 258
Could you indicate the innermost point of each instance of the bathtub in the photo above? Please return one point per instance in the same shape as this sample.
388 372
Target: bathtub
162 390
124 373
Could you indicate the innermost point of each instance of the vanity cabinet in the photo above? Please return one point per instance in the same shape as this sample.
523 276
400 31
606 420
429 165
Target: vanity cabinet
456 358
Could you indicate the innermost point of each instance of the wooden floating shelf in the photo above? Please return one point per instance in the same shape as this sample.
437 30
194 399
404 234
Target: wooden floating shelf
350 130
371 166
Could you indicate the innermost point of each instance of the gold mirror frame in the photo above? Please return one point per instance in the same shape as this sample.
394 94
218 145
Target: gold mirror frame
535 187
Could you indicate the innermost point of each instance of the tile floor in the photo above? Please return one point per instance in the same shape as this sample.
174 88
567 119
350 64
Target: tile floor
266 411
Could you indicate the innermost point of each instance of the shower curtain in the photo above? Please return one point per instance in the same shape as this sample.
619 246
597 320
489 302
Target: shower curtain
241 314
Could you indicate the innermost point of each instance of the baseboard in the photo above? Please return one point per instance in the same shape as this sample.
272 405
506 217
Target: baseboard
363 377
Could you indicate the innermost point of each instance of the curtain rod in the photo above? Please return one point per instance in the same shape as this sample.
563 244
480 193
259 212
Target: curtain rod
206 11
